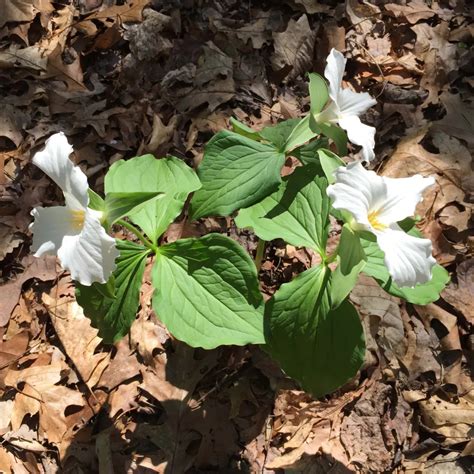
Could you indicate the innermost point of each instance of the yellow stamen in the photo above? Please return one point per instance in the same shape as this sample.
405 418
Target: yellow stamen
374 221
77 219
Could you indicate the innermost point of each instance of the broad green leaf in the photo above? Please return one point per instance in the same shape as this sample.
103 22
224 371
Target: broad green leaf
335 133
279 134
113 316
118 205
206 292
146 174
329 162
298 212
308 154
318 92
300 135
236 172
352 259
244 130
319 347
95 201
421 294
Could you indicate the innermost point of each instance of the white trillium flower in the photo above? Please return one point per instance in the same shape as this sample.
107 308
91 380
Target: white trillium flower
377 203
72 232
346 106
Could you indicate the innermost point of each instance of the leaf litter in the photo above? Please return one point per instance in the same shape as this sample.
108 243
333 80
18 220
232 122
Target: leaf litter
137 76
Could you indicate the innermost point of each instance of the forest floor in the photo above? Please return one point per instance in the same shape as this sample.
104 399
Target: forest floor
161 77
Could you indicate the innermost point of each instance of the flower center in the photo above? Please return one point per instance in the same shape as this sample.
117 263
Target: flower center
373 218
77 219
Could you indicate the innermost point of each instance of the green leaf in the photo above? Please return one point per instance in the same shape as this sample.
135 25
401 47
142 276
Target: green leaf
329 162
308 154
335 133
297 213
206 292
146 174
113 316
319 347
236 172
118 205
95 201
318 92
244 130
300 135
352 260
279 134
421 294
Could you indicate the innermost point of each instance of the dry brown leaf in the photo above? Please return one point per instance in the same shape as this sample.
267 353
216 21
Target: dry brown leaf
294 47
259 32
122 367
40 377
452 420
45 269
124 398
21 10
69 321
413 12
376 428
313 6
130 11
53 421
161 133
6 413
459 294
27 402
147 336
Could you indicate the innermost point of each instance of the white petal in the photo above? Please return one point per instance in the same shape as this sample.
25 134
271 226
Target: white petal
360 134
354 103
356 190
89 256
402 197
54 161
49 228
336 63
408 259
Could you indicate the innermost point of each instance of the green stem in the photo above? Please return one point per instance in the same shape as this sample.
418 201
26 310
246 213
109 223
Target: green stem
259 254
138 234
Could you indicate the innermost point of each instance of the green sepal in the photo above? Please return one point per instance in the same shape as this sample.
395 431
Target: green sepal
244 130
352 259
146 174
318 92
95 201
118 205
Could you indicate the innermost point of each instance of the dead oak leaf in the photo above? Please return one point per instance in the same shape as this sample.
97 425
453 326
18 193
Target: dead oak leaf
294 47
78 338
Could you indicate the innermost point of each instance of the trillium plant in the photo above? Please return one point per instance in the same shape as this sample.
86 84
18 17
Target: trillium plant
206 290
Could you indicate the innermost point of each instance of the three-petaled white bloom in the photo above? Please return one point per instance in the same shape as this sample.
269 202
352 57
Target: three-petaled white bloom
346 105
72 232
377 203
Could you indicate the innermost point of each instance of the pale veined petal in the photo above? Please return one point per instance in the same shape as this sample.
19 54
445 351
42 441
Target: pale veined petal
360 134
49 228
334 71
54 161
356 190
402 196
408 259
89 256
354 103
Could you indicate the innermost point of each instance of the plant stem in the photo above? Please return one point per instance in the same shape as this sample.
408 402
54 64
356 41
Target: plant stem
138 234
259 254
